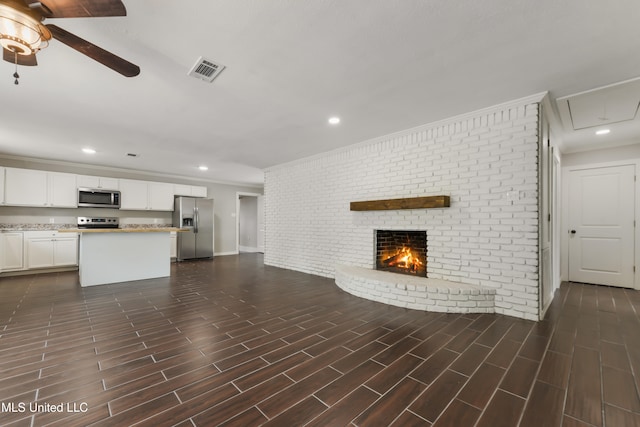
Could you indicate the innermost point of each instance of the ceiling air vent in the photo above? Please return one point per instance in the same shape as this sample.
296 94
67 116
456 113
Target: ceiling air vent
206 69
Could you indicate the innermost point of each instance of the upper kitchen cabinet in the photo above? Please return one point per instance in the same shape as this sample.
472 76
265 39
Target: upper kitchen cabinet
27 187
189 190
160 196
87 181
145 195
197 191
62 191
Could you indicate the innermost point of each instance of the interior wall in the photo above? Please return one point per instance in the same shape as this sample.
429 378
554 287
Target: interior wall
486 161
248 224
224 195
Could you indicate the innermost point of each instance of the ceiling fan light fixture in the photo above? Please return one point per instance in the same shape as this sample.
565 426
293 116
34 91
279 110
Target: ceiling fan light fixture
20 32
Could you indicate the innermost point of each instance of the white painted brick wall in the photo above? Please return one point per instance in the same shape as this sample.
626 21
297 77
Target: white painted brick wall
487 162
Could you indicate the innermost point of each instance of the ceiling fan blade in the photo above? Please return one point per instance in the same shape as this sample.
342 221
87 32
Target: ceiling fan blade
94 52
27 60
78 8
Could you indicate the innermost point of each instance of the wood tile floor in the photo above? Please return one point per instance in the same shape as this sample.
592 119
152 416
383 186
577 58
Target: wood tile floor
232 342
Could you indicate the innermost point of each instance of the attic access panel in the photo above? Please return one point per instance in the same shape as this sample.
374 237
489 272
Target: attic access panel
610 104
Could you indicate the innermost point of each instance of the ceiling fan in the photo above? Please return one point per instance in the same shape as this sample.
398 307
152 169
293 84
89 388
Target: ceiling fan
23 34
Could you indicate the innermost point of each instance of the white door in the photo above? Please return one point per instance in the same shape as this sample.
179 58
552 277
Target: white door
601 225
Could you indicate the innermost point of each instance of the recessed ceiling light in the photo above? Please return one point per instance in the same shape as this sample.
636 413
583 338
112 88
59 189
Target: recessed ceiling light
88 150
334 120
603 131
203 168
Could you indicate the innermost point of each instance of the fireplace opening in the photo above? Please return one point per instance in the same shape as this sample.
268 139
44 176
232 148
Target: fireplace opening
402 251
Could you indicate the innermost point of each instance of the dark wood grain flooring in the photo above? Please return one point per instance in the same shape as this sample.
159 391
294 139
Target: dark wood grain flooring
233 342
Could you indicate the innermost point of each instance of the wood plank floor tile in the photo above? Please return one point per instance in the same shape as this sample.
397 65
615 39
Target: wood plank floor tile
481 386
555 369
431 345
317 363
431 368
584 391
250 417
544 408
283 400
620 417
358 357
470 359
396 351
298 414
520 376
409 419
241 402
458 414
463 340
190 408
391 405
619 389
503 353
534 347
615 356
394 373
263 374
504 410
348 382
438 395
343 412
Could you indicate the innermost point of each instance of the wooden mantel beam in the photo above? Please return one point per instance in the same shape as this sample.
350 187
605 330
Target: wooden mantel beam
406 203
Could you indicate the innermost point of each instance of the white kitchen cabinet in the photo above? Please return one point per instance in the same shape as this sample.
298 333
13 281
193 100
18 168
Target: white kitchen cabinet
50 249
198 191
134 195
182 190
27 187
189 190
11 251
88 181
62 190
160 196
174 244
145 195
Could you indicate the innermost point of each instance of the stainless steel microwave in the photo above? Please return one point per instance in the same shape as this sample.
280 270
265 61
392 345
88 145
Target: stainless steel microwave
98 198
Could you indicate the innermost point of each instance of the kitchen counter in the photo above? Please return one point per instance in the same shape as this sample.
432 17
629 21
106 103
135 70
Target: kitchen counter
123 230
35 227
74 228
123 254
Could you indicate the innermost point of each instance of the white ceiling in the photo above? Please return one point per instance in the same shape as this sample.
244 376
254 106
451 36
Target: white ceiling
381 65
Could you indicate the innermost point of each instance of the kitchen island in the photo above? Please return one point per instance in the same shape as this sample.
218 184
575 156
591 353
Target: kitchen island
112 255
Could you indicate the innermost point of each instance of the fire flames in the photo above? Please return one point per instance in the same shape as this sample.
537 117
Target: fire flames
404 258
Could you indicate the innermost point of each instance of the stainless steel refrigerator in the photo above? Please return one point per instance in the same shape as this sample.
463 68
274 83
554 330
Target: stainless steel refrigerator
196 216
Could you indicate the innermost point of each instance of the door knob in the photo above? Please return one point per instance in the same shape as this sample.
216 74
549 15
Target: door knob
573 231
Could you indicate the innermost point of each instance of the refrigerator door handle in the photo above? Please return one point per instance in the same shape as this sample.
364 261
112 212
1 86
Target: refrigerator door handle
196 219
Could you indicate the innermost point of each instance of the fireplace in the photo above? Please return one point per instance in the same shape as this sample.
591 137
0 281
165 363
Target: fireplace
402 251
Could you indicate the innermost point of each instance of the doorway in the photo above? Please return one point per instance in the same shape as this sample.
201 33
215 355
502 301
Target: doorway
601 225
249 222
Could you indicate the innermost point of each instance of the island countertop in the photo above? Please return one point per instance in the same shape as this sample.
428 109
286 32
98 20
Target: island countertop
122 230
